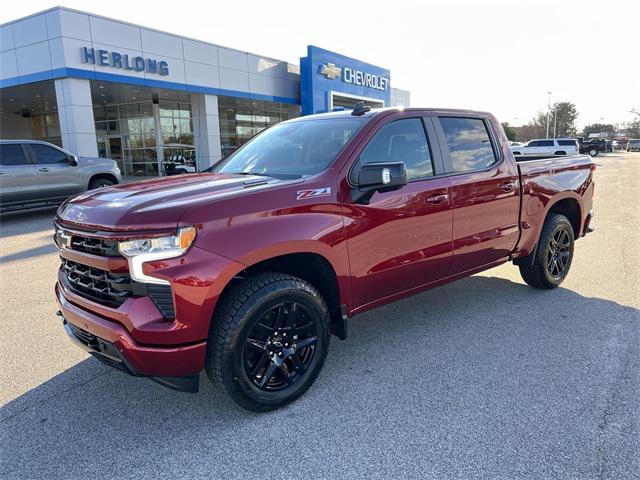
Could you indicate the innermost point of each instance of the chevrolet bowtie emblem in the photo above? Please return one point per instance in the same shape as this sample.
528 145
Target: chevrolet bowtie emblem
330 71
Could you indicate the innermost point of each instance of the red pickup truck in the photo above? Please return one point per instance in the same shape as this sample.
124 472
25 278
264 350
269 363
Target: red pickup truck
246 270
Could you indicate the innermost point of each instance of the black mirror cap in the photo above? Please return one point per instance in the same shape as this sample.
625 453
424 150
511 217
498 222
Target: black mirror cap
378 177
73 161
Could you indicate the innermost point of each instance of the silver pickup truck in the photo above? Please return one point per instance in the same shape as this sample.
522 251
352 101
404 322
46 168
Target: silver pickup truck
35 174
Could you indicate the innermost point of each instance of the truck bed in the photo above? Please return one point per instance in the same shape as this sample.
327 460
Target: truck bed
545 180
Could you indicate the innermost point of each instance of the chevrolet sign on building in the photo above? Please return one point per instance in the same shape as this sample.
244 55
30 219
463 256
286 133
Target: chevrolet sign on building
365 79
330 81
356 77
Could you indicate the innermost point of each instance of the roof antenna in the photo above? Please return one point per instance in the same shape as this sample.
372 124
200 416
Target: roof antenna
360 109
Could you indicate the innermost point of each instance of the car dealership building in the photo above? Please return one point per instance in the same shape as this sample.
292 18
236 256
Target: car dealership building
103 87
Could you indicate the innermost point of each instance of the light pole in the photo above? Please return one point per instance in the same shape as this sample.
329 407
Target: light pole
548 111
555 121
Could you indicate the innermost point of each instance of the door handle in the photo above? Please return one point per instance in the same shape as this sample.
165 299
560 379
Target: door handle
437 199
508 186
1 173
44 169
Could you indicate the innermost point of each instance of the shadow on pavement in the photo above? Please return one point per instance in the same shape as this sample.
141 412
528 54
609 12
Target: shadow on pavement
32 252
28 221
481 377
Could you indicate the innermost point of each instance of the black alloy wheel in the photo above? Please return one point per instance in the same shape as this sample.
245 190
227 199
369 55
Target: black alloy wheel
558 253
268 340
551 262
280 347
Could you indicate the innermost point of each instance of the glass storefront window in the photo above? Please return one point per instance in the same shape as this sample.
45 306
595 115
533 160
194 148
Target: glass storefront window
127 133
241 119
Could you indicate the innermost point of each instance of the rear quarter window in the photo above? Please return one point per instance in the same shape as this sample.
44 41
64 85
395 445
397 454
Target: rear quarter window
567 143
12 154
469 144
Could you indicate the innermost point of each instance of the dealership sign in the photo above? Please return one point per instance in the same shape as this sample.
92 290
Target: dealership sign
355 76
105 58
326 76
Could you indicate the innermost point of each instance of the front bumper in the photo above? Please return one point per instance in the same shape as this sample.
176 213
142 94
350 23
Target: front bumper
111 343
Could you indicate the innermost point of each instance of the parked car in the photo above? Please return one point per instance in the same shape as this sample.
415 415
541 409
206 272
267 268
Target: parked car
548 146
516 144
619 145
587 148
36 174
600 144
245 270
633 145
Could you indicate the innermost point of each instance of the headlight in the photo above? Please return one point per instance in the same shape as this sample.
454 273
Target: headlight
137 252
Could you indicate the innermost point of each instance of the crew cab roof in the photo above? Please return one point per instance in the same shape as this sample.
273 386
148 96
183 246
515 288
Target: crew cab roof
379 111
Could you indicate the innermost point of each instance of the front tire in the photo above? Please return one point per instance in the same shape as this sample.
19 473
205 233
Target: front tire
268 340
593 152
554 254
99 183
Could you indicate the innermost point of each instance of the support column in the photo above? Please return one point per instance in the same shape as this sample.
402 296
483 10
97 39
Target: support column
75 110
206 129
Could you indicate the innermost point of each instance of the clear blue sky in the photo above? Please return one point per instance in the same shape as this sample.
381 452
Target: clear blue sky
501 56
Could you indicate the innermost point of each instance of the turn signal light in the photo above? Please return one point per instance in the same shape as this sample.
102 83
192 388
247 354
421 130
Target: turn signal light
186 237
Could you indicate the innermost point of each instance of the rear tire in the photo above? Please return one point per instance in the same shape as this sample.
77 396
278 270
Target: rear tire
553 256
560 153
593 152
268 340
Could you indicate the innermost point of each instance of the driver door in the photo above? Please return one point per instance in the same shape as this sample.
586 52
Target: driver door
57 176
402 239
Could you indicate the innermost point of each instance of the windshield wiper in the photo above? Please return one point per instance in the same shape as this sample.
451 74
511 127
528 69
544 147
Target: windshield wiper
248 173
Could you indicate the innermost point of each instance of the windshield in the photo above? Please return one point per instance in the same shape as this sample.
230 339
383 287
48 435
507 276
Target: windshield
292 150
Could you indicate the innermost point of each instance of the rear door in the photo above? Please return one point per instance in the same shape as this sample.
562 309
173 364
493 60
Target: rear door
18 176
485 192
568 146
401 239
56 175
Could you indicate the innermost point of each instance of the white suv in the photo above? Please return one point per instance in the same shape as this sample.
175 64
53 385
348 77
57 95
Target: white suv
548 146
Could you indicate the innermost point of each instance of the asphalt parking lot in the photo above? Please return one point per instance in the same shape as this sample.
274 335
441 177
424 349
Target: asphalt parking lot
483 378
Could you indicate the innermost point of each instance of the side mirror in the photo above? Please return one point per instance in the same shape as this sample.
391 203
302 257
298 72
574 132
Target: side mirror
378 177
73 160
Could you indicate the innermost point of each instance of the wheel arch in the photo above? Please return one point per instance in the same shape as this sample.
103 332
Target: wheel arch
102 175
569 206
312 267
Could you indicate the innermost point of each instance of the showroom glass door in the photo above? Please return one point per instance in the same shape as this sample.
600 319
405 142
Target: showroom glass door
114 152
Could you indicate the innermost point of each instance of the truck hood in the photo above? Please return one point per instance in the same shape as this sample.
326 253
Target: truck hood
156 204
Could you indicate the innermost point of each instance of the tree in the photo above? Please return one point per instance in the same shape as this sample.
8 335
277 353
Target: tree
564 122
632 128
602 128
509 131
528 132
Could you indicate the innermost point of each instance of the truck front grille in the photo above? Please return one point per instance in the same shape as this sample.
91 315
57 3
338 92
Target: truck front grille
112 289
96 246
98 285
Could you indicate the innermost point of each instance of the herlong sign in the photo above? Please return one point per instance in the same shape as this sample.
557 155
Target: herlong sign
105 58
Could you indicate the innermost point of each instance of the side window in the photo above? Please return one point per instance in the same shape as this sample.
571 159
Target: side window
12 154
48 155
399 141
567 143
534 143
546 143
469 143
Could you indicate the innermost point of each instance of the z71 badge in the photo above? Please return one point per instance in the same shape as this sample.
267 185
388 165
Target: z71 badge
313 193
